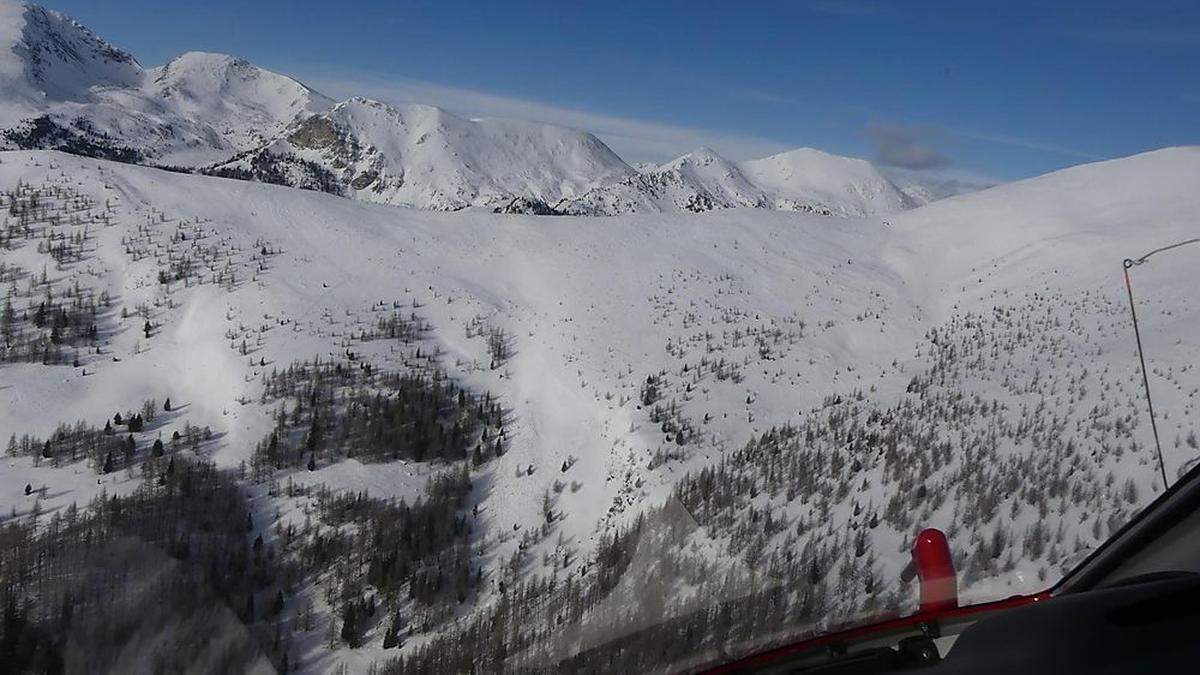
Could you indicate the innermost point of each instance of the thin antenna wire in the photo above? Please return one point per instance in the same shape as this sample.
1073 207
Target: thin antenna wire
1128 264
1145 376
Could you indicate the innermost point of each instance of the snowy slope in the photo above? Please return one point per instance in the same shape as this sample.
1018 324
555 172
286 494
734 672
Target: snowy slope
1082 221
538 279
746 319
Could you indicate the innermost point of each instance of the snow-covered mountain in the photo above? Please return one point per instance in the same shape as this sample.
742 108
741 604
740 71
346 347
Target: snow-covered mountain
46 56
245 105
699 181
804 180
924 188
854 185
425 157
64 88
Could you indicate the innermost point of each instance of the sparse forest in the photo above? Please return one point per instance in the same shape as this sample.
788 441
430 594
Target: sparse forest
422 478
330 411
170 564
45 317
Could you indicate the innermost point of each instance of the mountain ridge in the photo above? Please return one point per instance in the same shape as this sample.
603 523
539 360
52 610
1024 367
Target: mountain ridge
63 87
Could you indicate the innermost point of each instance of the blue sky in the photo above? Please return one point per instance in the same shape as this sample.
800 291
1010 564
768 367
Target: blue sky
1001 90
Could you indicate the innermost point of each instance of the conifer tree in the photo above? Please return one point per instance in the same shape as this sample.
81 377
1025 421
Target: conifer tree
350 625
392 638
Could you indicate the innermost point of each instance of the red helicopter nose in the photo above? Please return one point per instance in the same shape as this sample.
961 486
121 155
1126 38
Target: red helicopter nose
933 566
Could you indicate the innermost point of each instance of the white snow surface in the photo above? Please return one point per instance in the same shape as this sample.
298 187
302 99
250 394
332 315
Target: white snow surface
796 306
593 309
594 306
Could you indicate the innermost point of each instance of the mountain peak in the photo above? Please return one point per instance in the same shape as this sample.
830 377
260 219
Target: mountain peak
854 183
208 71
808 155
50 55
365 102
701 156
194 60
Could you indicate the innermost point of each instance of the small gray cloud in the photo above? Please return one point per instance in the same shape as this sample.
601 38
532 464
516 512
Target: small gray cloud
1021 142
904 146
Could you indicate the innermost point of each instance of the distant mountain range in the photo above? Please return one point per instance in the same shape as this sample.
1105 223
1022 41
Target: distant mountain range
63 87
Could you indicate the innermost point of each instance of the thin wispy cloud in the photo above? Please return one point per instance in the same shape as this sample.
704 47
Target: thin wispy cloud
1144 36
1026 143
857 9
633 139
